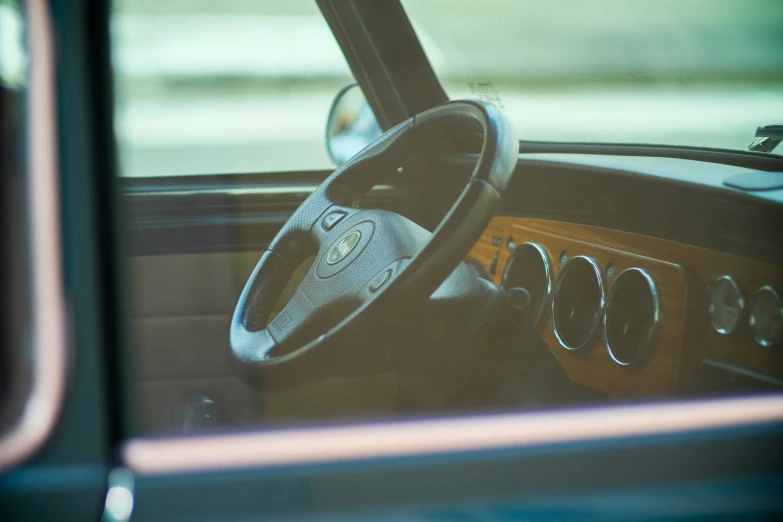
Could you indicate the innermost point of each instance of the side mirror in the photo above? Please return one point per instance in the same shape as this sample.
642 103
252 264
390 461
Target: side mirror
351 125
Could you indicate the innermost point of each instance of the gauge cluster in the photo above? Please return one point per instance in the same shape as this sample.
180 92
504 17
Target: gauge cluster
726 305
727 310
632 317
627 314
529 267
766 317
630 314
578 302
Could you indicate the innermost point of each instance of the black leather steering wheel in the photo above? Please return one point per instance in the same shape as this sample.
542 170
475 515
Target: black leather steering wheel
372 267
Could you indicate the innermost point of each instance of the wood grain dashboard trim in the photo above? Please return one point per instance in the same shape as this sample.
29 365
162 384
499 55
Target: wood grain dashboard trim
683 274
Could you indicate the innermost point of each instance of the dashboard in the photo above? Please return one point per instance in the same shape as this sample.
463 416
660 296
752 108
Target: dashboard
683 271
637 316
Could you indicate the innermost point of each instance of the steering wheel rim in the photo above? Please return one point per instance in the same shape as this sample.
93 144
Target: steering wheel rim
283 353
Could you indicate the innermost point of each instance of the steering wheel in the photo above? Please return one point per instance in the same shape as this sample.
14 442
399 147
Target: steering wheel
374 270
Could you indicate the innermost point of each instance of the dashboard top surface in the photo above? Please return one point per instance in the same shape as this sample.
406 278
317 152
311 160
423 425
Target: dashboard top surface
711 175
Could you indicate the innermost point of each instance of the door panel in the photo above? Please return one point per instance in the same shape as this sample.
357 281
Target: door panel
168 347
189 284
179 328
179 325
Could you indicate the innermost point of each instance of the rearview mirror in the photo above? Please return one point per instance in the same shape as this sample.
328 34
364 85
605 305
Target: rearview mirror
351 125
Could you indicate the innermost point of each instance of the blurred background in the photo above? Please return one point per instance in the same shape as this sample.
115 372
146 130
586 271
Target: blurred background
246 85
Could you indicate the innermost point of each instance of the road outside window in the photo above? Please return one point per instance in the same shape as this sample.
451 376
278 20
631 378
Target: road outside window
223 87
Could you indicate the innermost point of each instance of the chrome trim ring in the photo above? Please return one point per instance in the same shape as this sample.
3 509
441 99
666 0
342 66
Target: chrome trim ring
735 286
602 305
47 296
764 342
548 270
654 328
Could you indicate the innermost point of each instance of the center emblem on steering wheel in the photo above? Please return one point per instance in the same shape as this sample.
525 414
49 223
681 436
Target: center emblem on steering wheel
343 247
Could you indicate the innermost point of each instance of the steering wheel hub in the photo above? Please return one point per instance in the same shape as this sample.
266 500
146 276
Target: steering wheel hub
348 246
343 247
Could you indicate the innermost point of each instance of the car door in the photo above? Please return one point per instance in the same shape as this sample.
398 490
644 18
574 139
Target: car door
152 435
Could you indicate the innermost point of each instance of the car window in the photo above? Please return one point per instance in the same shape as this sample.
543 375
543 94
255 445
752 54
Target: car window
222 87
253 302
679 72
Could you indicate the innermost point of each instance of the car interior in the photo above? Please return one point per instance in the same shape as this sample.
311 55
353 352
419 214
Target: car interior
391 260
448 268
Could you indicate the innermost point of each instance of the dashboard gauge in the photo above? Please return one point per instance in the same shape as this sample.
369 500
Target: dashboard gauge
528 268
632 317
726 305
766 317
578 302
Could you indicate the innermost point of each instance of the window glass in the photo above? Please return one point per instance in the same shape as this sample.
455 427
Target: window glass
234 325
677 72
230 86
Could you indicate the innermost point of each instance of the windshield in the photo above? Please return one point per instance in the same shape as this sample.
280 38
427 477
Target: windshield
701 73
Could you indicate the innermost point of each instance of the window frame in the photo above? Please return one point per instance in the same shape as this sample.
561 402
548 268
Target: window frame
318 445
48 333
386 466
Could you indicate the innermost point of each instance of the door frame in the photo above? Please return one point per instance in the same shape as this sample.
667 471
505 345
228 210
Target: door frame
390 466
